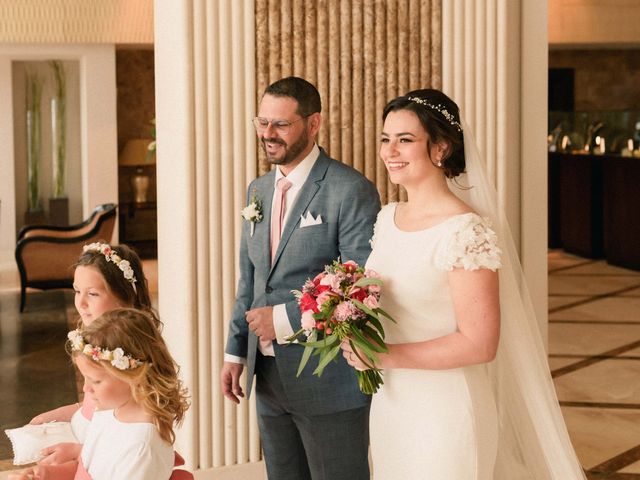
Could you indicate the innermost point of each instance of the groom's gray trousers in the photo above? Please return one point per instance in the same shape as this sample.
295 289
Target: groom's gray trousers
335 445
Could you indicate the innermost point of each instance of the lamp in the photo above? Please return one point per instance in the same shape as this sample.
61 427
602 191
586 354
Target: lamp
134 154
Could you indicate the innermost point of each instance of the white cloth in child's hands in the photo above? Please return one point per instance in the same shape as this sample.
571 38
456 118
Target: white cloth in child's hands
28 441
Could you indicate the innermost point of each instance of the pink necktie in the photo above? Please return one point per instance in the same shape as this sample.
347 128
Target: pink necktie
277 216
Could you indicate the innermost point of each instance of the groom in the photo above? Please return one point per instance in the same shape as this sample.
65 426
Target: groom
314 210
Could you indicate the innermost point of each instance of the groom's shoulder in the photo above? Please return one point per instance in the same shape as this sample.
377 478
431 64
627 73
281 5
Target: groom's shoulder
342 173
263 180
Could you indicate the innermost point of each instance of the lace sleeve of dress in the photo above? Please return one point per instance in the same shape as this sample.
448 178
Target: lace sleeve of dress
472 245
386 210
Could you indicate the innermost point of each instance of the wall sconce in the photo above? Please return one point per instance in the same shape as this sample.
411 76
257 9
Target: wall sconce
134 154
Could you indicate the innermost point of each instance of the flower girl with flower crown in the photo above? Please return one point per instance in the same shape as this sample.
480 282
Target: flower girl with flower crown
105 278
133 381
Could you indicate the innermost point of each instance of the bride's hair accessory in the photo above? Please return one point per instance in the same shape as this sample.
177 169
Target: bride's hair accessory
438 108
115 357
112 256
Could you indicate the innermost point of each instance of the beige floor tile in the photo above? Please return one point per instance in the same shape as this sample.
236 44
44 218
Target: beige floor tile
556 301
9 279
601 267
559 259
632 353
559 362
631 293
609 381
601 434
589 339
633 468
589 285
612 309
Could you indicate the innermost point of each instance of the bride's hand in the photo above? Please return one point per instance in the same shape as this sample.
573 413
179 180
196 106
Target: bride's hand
351 357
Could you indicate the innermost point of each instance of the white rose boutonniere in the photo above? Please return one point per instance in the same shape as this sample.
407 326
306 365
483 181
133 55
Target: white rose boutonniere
253 212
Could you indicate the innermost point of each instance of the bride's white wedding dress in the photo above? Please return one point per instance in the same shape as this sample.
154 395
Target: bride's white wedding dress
432 424
499 421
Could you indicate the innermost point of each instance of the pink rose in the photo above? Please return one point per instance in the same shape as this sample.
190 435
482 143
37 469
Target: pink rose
324 297
371 302
373 288
371 274
350 266
307 321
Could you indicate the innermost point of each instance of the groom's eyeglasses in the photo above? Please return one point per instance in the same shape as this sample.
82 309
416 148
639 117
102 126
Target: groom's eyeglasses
280 126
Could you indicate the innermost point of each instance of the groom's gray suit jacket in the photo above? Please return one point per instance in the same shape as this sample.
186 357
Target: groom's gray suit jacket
348 204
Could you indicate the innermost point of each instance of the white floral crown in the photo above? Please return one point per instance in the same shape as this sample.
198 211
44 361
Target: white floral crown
115 357
438 108
112 256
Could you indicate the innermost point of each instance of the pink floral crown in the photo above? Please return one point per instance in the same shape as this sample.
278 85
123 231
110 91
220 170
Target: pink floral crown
112 256
115 357
438 108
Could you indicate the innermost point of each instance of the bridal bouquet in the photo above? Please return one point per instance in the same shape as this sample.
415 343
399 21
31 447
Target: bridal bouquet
342 302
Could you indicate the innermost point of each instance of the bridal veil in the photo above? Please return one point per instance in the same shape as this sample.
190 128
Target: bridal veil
533 442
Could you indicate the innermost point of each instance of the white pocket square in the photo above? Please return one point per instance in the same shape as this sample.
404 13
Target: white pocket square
309 220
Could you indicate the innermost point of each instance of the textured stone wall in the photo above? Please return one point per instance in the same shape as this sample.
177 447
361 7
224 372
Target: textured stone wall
604 79
135 82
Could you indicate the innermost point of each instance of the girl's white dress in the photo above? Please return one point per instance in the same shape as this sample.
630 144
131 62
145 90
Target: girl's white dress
432 424
133 451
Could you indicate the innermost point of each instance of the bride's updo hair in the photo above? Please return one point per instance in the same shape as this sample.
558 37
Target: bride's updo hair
440 117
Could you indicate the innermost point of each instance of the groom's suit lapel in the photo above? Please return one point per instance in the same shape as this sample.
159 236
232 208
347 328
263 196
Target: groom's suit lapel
263 235
309 190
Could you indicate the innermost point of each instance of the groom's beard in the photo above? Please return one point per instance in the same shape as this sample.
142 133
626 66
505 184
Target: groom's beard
291 153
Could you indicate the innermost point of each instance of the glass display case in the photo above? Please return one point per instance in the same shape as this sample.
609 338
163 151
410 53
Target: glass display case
597 132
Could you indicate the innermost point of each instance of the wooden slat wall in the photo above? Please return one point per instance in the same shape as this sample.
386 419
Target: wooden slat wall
360 54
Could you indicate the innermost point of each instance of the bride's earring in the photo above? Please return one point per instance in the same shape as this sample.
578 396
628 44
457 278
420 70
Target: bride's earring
439 164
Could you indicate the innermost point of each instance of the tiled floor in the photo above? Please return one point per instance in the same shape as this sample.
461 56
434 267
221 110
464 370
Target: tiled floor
594 346
594 355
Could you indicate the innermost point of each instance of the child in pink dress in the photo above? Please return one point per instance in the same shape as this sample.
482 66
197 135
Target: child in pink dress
133 381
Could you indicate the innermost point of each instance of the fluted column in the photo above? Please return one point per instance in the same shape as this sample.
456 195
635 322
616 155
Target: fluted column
205 87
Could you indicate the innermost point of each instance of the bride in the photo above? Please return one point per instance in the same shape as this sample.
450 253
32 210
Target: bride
467 392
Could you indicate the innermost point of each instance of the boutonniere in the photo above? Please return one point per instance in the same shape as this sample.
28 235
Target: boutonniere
253 212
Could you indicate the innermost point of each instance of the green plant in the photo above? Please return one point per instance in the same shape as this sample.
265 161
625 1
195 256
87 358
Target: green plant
32 100
58 128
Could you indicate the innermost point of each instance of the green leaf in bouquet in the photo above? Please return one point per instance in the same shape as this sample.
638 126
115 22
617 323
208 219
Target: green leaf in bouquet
292 338
363 307
305 358
375 321
377 343
364 281
325 342
379 310
324 361
371 358
363 344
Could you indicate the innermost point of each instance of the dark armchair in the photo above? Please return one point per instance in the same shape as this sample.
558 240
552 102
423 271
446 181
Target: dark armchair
46 254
